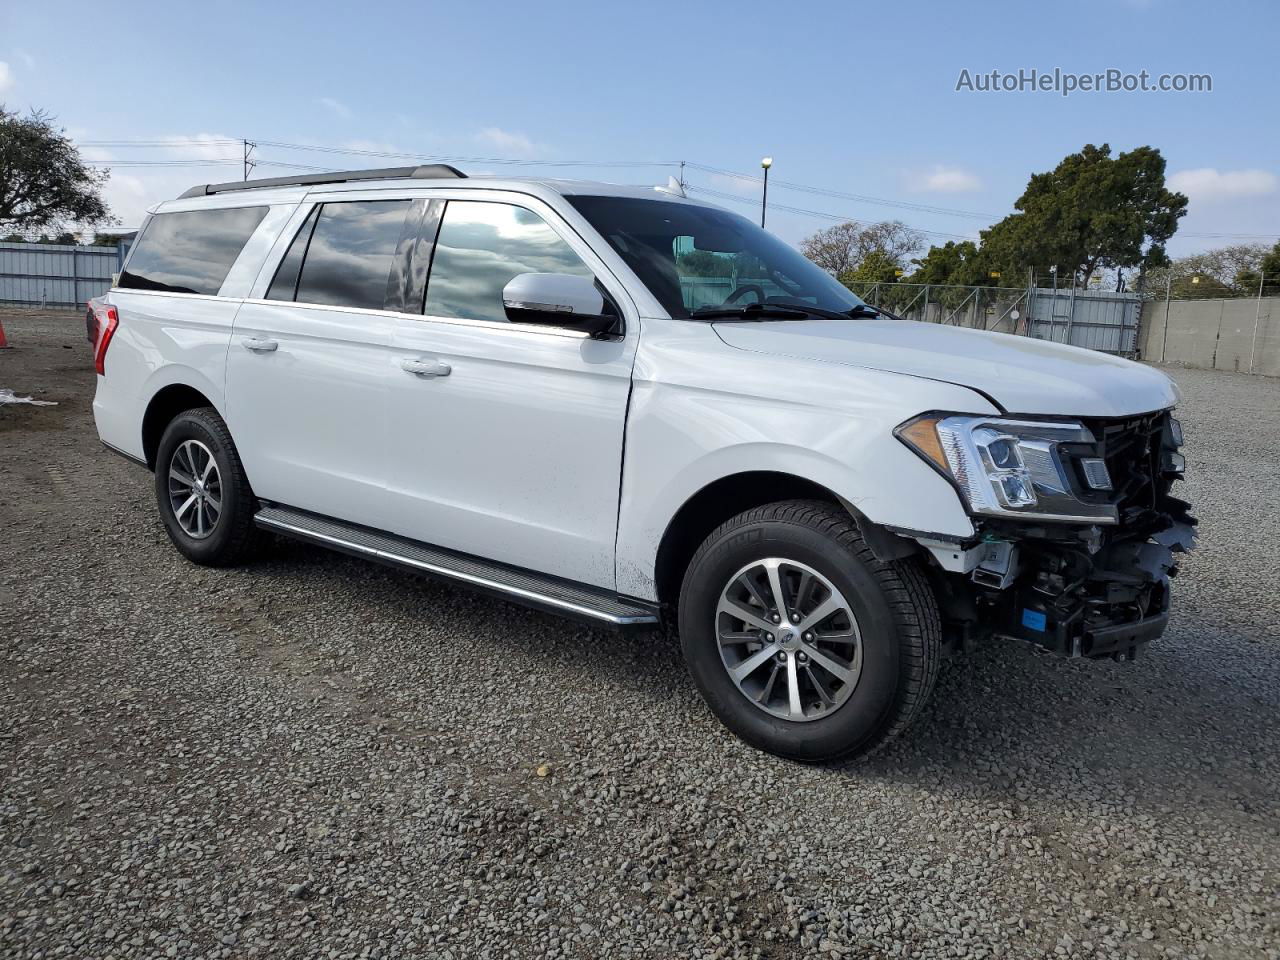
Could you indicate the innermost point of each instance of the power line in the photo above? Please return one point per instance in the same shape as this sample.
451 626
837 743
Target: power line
213 162
861 198
840 217
421 158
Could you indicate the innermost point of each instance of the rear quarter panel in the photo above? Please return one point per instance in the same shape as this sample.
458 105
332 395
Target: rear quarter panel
162 339
176 338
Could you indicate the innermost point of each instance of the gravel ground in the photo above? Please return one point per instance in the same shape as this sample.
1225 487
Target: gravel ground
315 757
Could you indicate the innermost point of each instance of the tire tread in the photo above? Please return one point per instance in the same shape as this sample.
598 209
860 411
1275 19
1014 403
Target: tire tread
906 590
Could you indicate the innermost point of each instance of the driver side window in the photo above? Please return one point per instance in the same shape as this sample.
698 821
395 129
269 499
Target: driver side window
481 247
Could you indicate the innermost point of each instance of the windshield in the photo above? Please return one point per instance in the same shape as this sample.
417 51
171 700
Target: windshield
693 257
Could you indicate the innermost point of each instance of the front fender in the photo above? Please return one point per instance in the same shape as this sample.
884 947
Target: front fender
680 440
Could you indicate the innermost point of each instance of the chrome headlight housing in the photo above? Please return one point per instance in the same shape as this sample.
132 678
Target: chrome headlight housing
1016 468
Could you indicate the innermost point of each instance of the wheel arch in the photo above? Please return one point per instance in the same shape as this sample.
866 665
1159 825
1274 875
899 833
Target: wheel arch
167 403
735 493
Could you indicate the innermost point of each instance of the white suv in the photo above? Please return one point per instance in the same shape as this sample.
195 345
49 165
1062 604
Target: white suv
611 403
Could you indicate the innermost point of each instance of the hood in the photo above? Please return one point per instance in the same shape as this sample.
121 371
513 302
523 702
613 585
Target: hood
1022 374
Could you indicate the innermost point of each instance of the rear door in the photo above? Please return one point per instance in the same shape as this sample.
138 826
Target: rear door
311 358
507 438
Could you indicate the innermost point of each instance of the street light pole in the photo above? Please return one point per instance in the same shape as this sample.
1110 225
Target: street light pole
766 163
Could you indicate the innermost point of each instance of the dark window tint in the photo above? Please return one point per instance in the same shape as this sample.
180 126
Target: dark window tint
190 252
349 258
285 284
691 256
481 246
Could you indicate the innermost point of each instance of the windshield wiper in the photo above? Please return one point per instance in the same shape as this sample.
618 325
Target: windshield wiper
752 311
784 311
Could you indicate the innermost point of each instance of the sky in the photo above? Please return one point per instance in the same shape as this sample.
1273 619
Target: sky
856 99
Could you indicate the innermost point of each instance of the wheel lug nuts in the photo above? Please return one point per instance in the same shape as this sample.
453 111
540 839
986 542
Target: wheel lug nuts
808 637
802 658
795 618
776 618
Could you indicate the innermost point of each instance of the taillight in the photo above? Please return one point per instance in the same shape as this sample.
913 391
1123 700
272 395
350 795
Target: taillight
106 319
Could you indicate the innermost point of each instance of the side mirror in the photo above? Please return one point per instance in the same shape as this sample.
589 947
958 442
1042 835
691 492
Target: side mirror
558 299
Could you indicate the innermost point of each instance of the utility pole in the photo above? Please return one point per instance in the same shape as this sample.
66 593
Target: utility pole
682 176
1257 316
249 162
1168 292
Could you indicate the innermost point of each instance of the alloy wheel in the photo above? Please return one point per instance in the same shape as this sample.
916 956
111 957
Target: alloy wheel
788 639
195 489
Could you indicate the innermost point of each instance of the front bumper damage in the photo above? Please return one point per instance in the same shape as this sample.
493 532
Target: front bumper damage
1082 590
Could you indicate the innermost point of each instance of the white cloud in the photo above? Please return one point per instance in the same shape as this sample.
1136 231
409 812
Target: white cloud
942 179
337 106
1208 183
508 142
6 77
28 60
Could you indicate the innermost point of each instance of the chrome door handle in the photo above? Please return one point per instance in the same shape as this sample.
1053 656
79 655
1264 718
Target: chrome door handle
259 344
425 368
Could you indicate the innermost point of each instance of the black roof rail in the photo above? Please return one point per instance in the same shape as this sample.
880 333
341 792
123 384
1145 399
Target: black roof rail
430 171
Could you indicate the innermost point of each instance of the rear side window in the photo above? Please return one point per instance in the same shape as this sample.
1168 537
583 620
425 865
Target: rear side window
480 248
190 252
348 259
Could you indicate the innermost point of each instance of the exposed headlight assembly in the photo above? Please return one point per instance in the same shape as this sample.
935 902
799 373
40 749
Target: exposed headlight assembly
1011 468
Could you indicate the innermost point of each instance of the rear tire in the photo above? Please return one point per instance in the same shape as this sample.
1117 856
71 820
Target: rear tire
816 686
204 497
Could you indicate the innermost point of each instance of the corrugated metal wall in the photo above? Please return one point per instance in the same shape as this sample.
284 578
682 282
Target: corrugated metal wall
1098 319
54 274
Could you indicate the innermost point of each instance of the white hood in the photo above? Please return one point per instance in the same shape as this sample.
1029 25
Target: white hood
1022 374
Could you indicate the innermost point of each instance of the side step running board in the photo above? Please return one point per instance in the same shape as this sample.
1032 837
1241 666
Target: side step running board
581 602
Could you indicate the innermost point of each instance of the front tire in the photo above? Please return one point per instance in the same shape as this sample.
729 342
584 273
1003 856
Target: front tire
204 497
840 666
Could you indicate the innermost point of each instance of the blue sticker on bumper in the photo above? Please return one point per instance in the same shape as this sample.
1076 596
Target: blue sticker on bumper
1034 620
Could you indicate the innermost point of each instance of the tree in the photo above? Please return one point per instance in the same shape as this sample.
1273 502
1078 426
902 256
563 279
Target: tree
953 263
1093 211
1265 276
876 267
841 249
1231 271
43 181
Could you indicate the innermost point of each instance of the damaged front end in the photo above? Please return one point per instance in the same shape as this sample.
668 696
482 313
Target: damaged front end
1078 532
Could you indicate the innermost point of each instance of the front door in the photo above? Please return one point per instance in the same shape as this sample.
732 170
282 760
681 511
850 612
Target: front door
507 438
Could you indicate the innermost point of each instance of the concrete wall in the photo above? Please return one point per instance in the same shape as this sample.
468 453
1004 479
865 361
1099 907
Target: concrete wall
1214 334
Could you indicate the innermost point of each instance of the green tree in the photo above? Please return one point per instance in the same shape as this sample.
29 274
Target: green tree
1093 211
1265 276
43 181
955 262
876 267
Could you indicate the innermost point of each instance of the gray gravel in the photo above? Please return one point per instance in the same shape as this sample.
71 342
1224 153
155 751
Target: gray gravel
315 757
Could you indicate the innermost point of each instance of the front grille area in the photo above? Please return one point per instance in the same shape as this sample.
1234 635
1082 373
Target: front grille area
1132 451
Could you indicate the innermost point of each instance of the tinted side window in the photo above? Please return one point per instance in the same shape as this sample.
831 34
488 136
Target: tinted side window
348 260
190 252
285 284
481 246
